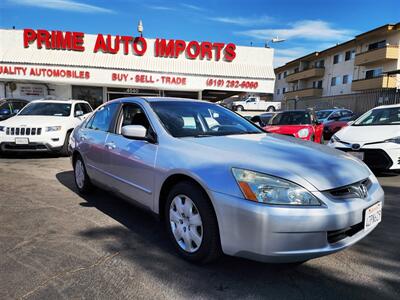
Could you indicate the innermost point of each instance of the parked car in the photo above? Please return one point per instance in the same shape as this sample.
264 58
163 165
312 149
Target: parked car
333 126
221 184
327 115
302 124
10 107
43 125
263 119
374 138
255 103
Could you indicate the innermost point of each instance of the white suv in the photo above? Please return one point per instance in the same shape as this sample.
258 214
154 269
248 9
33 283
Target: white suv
43 125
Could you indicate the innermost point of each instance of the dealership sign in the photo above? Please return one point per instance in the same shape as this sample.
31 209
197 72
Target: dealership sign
129 45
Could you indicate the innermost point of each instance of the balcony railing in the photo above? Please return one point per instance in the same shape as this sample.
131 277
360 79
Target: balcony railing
376 55
310 92
374 83
304 74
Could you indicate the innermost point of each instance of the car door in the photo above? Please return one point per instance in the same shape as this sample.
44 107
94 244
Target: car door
251 104
131 162
92 138
318 128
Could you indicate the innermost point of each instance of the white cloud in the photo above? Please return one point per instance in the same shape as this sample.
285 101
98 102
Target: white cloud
193 7
69 5
282 56
159 7
315 30
243 21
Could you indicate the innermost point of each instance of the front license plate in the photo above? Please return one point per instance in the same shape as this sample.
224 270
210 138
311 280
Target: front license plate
359 155
373 215
21 141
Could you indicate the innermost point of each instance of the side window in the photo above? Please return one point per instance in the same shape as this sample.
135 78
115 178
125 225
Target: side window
103 118
5 109
86 108
77 108
17 106
133 114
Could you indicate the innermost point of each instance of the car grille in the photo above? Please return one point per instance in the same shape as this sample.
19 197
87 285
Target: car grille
23 131
350 191
337 235
375 158
15 147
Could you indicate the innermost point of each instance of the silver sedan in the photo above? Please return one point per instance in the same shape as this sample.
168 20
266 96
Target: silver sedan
222 185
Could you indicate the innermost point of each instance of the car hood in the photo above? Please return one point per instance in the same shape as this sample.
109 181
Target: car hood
33 121
368 134
305 163
285 129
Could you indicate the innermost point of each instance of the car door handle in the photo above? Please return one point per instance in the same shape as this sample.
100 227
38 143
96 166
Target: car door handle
110 145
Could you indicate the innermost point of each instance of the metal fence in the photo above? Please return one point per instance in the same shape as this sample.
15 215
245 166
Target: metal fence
359 103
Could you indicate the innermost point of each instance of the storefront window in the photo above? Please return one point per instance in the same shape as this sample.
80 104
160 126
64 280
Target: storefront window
93 95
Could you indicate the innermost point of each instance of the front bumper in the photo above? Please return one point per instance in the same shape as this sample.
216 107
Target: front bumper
46 142
378 156
289 234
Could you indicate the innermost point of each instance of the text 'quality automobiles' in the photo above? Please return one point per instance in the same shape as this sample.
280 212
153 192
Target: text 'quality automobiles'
222 185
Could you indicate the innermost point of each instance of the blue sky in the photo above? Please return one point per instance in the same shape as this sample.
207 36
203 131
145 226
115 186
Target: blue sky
305 24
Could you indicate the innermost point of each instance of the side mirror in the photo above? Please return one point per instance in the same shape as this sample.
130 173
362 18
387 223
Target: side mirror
5 112
137 132
78 113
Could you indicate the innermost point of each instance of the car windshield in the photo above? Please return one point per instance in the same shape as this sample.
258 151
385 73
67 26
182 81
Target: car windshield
380 116
46 109
191 119
323 114
291 118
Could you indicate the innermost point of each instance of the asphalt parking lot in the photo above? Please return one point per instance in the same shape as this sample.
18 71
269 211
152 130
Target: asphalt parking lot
55 244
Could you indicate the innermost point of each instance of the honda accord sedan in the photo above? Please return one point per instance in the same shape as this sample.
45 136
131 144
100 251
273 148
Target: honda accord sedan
222 185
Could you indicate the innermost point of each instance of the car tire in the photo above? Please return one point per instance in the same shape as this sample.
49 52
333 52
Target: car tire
195 235
64 149
82 180
239 108
270 109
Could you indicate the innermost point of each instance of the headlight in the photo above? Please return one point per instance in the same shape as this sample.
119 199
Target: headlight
334 139
53 128
2 128
303 133
395 140
268 189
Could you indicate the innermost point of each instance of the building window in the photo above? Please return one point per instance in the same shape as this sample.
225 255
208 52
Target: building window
283 90
350 55
337 59
279 76
333 81
373 73
320 63
346 79
296 70
278 91
285 74
377 45
319 84
93 95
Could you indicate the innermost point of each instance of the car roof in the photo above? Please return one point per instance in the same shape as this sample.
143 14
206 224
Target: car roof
387 106
160 99
65 101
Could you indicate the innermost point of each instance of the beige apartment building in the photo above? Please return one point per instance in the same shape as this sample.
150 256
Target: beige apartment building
355 66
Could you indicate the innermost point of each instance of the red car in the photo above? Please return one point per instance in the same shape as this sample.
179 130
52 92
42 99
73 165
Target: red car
333 126
302 124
